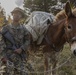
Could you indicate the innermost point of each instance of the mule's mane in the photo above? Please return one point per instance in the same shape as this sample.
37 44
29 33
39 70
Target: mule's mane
74 11
61 15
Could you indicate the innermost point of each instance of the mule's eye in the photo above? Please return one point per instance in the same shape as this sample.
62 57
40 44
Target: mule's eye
69 27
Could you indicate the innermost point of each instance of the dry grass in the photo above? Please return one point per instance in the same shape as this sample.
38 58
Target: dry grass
67 69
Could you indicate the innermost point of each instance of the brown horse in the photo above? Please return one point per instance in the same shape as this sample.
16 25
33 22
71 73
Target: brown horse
62 31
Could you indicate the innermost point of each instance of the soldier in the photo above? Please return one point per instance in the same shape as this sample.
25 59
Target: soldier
14 43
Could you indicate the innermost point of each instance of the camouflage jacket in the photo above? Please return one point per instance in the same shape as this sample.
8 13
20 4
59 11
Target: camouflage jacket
20 35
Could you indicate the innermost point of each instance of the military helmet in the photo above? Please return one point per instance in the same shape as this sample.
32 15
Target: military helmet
19 10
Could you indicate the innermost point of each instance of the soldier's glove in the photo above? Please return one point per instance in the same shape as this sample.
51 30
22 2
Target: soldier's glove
4 60
18 51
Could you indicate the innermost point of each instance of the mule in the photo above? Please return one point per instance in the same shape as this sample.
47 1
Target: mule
62 31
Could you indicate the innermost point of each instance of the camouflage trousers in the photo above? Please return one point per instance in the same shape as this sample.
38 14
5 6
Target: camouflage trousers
15 67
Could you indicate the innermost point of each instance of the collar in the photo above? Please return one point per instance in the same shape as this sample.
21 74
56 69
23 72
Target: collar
15 27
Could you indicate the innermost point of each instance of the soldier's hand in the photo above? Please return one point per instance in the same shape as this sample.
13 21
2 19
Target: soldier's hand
4 60
18 51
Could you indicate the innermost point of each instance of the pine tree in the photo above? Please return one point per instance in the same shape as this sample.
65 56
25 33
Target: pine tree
2 16
53 6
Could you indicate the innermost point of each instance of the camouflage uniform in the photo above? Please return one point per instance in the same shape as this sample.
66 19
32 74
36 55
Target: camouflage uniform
21 37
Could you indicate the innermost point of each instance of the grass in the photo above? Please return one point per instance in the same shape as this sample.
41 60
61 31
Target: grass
67 69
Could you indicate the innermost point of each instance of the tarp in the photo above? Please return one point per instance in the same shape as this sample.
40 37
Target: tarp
37 24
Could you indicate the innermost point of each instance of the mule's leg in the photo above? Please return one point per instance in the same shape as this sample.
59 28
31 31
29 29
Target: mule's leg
54 63
54 69
45 64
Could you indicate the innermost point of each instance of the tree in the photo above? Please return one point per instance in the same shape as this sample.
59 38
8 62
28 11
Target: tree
2 16
9 19
53 6
41 5
73 3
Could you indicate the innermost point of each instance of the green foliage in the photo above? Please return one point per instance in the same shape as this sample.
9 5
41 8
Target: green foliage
64 1
69 68
73 3
2 16
46 5
41 5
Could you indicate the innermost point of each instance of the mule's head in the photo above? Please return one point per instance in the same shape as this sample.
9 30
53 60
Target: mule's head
70 27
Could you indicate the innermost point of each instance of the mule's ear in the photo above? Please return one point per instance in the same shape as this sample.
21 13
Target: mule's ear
68 9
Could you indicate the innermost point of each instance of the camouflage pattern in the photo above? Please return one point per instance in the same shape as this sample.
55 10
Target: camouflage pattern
21 37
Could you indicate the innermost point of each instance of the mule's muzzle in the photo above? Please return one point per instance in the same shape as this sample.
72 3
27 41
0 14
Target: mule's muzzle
74 52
